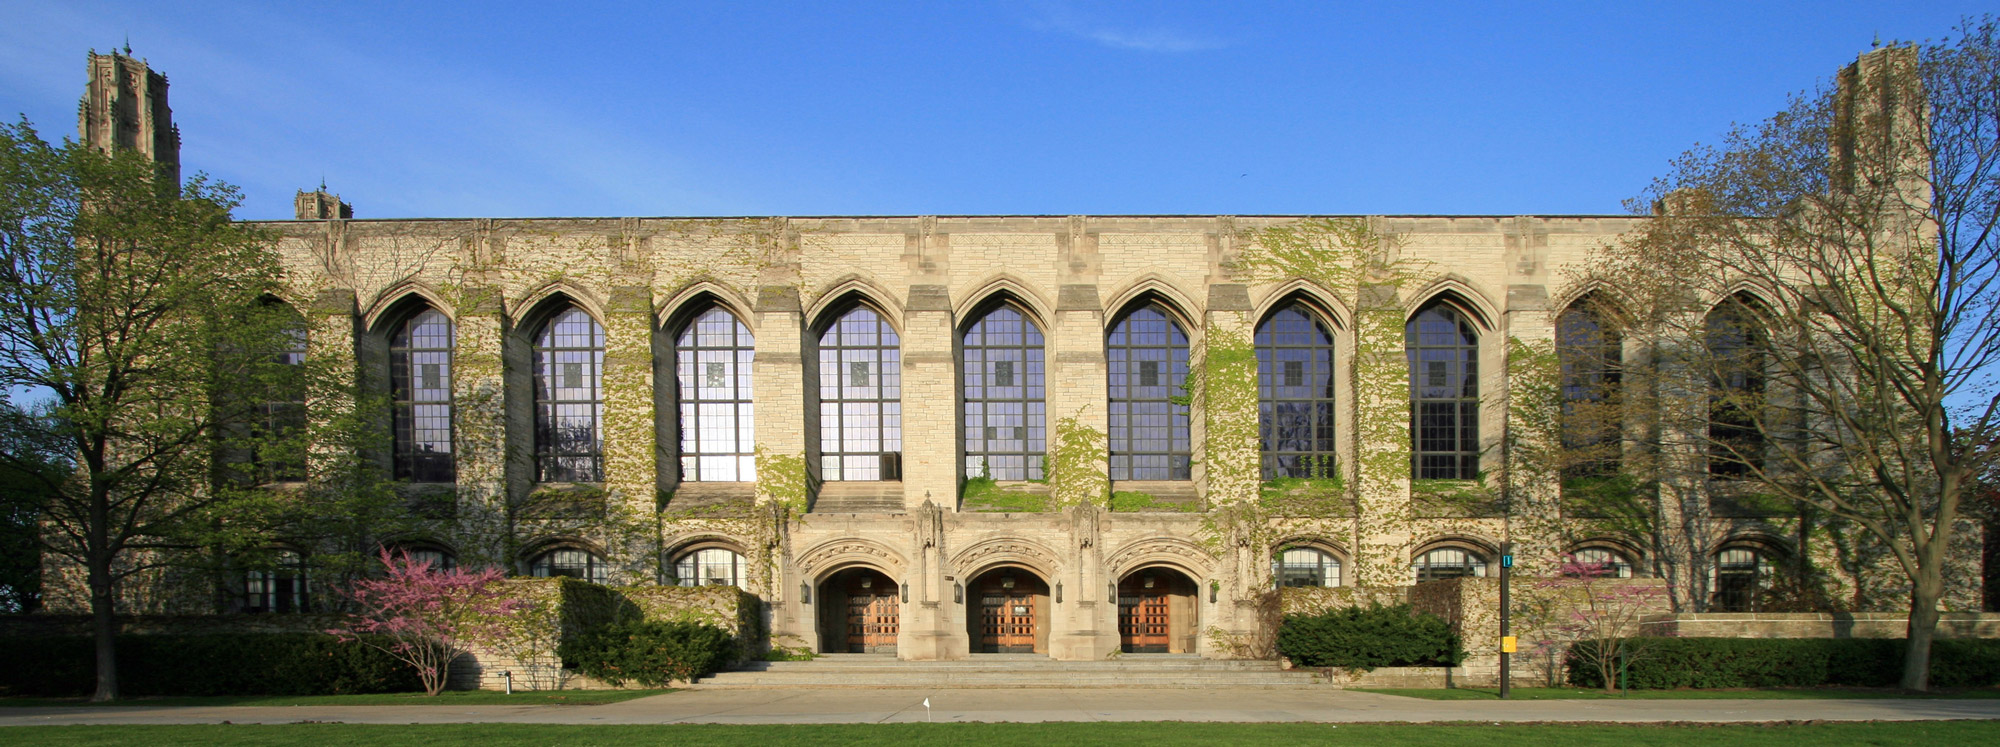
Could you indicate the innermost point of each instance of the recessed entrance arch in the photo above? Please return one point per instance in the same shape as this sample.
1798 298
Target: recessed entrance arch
1008 612
1157 612
860 611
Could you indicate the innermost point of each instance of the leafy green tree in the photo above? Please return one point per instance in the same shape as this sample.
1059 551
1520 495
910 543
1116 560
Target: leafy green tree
133 306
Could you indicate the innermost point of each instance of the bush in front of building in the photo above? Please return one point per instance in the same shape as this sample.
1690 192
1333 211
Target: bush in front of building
1670 663
238 664
1364 638
650 653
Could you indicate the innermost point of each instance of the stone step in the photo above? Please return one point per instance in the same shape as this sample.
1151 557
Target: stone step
1011 671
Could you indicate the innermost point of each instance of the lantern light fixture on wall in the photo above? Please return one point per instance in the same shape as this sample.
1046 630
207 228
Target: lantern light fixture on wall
1058 592
1007 581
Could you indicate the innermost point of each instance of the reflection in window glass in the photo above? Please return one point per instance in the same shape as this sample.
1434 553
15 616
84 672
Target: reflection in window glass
1306 566
420 384
1002 380
571 562
713 359
1295 395
1449 562
1736 348
1591 355
569 398
1444 395
860 398
714 566
1148 357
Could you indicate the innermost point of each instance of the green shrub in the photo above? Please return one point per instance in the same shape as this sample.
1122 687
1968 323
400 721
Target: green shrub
217 664
1667 663
649 653
1368 637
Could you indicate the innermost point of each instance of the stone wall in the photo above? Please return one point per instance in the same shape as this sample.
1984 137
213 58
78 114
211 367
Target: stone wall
1816 625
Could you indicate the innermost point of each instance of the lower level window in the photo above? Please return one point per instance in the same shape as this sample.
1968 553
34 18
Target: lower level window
281 587
1307 566
1449 562
568 561
1598 562
714 566
1739 573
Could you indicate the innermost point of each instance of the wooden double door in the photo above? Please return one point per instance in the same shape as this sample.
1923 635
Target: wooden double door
861 613
1147 601
1009 612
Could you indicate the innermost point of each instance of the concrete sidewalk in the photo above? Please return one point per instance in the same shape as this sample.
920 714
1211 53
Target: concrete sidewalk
851 705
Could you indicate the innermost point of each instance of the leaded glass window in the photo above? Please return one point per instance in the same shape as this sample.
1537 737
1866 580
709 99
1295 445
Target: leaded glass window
1591 355
711 566
1736 349
1306 566
1449 562
569 398
1295 395
278 587
571 562
1740 572
1443 350
420 384
278 453
1002 377
713 358
860 398
1148 357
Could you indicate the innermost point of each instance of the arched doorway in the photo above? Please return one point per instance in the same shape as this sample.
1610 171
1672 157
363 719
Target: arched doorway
859 612
1157 609
1008 612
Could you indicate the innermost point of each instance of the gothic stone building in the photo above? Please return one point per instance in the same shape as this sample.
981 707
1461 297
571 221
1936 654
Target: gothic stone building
942 435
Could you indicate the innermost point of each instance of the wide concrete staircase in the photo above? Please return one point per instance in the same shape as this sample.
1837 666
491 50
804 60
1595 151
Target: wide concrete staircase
1010 671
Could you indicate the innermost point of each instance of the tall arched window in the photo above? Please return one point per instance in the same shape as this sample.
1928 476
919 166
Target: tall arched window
1148 357
1295 394
1736 350
569 398
1591 355
278 452
860 398
420 384
713 358
1444 395
1002 379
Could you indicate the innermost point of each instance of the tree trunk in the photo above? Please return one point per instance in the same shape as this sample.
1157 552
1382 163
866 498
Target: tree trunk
103 624
1924 596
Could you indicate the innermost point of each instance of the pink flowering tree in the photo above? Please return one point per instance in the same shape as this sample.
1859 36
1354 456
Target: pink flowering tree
423 615
1598 614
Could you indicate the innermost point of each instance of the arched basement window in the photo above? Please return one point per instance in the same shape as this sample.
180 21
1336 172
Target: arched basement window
1443 349
1449 562
710 566
1002 378
1148 357
1306 566
1736 349
1600 562
420 385
713 360
278 587
860 398
569 398
569 561
1740 572
1591 354
1295 395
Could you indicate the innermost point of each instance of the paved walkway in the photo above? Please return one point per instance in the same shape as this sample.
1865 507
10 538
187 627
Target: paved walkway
851 705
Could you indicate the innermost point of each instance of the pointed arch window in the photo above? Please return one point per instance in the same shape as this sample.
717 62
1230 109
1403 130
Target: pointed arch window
1736 349
1003 380
860 398
569 398
1148 357
713 357
420 386
1443 349
1590 352
1295 405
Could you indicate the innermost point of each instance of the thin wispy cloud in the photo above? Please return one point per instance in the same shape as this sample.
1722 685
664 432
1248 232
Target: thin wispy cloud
1062 18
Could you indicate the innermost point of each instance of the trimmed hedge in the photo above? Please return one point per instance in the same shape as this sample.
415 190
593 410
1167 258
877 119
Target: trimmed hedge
649 653
1368 637
1668 663
240 664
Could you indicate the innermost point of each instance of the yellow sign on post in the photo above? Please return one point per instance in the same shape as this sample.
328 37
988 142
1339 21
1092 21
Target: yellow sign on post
1506 644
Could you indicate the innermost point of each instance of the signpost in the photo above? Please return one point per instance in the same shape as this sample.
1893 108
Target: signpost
1506 618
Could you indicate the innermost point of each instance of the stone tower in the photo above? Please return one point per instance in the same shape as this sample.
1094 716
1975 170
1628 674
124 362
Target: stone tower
125 108
320 205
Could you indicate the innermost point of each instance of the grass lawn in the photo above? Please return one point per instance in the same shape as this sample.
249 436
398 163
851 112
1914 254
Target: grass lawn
446 698
1928 734
1572 693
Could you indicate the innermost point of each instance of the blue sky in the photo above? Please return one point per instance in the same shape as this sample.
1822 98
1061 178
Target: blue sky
501 109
